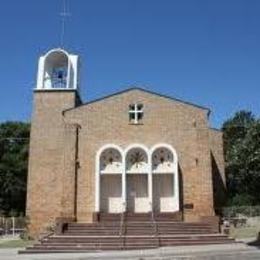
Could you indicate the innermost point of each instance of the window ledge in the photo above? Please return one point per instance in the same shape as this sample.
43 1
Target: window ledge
135 124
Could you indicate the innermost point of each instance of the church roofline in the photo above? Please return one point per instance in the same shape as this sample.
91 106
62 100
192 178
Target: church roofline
140 89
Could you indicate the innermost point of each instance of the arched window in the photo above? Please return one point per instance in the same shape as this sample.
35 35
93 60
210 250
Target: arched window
109 179
136 161
111 161
56 70
162 160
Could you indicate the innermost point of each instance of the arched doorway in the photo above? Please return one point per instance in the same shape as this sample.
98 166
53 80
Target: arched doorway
110 171
165 179
137 170
137 179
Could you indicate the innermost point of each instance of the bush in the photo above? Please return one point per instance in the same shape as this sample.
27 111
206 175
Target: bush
241 200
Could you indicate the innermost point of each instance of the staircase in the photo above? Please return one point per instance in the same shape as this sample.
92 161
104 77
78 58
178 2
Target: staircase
134 231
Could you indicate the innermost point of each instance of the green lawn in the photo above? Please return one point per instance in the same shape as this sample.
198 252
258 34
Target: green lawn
244 232
16 243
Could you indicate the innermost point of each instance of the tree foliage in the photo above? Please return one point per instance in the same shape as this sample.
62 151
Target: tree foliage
14 143
242 157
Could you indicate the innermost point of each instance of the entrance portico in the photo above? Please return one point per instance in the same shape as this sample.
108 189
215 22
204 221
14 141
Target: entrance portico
136 179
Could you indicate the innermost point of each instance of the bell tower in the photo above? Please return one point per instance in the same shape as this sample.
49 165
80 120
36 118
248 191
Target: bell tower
58 70
57 89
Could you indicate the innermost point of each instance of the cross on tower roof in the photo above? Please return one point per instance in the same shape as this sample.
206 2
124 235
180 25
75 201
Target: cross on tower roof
64 14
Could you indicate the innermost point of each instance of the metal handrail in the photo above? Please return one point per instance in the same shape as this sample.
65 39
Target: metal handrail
155 228
121 224
122 219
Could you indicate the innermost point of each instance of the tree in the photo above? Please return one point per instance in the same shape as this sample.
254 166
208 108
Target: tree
14 143
242 157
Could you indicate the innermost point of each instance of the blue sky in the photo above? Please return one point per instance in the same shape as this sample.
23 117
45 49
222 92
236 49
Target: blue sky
206 52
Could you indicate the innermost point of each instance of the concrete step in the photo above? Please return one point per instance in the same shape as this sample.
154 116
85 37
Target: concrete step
194 242
108 223
93 232
127 245
138 232
137 223
82 249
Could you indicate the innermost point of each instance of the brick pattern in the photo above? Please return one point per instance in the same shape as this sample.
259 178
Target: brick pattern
53 150
47 159
218 167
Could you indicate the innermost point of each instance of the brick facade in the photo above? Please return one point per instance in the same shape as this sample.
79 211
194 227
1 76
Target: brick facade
46 158
64 143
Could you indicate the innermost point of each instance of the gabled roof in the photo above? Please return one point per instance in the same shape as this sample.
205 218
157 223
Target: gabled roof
143 90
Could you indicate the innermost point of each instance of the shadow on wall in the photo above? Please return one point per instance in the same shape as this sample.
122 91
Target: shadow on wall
219 187
180 189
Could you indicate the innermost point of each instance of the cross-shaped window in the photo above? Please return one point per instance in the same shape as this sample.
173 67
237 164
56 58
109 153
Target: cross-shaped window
135 113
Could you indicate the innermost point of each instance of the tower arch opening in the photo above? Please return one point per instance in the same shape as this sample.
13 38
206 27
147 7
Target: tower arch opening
56 70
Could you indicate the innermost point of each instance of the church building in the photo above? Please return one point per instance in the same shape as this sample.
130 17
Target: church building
134 152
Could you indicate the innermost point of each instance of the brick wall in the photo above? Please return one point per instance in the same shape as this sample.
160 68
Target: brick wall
54 151
183 126
218 167
47 158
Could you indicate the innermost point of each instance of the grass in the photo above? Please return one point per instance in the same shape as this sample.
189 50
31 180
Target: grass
244 232
16 243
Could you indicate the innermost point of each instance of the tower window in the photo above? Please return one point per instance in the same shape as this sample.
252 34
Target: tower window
56 70
135 113
59 77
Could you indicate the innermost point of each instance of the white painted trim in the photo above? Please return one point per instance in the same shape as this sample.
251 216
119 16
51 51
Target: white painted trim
167 146
54 89
46 57
124 197
175 171
69 74
110 173
149 183
40 76
137 145
132 173
149 153
56 50
135 112
97 171
72 71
